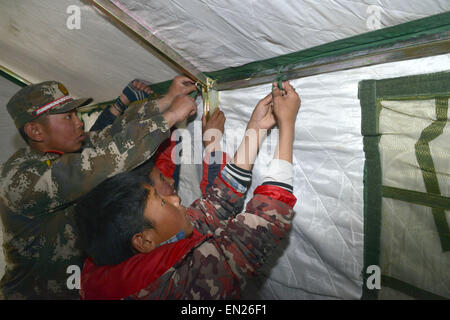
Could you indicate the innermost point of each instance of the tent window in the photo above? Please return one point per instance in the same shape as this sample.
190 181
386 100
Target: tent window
406 136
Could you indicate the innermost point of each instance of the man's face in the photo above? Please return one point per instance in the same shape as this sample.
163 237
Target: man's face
166 214
162 184
63 132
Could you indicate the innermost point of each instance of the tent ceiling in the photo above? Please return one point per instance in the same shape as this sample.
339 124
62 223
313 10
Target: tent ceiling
100 58
97 60
219 34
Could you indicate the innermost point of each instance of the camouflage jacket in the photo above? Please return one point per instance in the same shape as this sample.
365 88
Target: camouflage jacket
235 247
38 191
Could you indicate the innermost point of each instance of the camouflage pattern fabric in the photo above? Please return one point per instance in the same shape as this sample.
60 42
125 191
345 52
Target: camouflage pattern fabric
236 247
38 192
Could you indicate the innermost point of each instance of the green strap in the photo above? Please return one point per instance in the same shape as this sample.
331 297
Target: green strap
420 198
426 164
409 289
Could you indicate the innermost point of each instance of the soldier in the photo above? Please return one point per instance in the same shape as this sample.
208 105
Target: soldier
151 247
40 184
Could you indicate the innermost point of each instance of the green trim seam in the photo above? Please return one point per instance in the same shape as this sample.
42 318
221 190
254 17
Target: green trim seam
383 37
372 181
375 39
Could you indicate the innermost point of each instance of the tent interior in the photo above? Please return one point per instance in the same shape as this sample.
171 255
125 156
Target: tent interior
334 52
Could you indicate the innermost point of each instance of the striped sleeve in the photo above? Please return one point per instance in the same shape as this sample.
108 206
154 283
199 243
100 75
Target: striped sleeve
238 178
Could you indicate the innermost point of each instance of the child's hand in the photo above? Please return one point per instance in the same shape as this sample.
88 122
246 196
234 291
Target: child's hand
181 86
286 104
213 128
262 116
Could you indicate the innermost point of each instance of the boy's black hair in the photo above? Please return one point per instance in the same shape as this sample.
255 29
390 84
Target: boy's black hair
110 214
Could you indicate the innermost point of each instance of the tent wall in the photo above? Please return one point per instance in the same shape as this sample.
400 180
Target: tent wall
324 256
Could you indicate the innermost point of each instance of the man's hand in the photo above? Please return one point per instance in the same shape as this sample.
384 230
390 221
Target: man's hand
181 85
181 108
262 116
134 91
213 130
285 104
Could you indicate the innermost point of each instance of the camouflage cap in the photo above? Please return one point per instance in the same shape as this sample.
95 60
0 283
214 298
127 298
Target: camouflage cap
37 99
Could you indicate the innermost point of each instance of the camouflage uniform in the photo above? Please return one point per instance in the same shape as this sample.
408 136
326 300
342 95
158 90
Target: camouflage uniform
38 192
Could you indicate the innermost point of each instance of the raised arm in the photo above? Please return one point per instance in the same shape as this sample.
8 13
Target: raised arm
214 159
251 237
138 90
261 121
181 86
285 107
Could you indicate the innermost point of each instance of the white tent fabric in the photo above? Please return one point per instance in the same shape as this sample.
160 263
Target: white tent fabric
323 258
214 34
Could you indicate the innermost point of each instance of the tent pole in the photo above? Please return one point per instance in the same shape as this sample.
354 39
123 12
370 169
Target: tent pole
403 50
13 77
124 18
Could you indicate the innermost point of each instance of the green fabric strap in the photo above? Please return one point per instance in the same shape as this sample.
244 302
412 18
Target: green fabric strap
420 198
409 289
426 164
